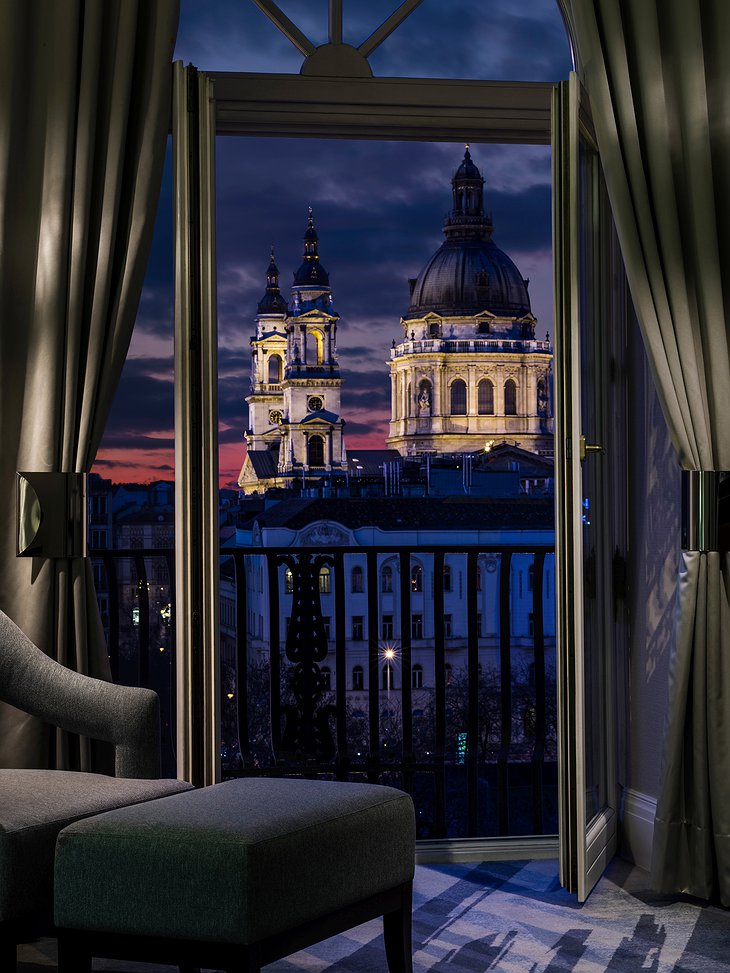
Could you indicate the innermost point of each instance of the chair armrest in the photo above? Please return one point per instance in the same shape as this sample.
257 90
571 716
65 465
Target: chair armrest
126 716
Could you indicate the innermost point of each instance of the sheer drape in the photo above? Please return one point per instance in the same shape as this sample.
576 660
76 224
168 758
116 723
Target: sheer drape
84 116
658 78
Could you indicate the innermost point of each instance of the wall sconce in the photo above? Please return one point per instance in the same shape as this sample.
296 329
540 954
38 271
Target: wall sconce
705 510
51 515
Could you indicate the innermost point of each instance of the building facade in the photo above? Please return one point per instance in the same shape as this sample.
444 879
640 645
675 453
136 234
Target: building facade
295 427
469 369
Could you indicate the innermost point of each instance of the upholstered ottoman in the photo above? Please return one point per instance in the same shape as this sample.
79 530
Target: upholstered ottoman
236 875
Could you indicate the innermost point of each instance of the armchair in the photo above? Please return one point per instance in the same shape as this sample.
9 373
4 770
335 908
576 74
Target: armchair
35 805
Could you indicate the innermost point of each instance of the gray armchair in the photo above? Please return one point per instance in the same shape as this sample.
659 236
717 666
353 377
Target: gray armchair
36 804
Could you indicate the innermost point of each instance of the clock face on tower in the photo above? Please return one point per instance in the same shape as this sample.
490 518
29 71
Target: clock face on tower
315 403
275 416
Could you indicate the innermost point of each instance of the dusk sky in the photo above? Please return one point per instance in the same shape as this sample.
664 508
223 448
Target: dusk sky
378 208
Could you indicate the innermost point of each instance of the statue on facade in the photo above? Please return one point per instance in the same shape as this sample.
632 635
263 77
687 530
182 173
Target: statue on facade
424 401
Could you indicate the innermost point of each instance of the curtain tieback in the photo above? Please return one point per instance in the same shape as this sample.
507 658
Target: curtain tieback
51 515
705 510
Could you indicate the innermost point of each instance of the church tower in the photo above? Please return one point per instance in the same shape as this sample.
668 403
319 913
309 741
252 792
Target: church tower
268 357
294 405
469 370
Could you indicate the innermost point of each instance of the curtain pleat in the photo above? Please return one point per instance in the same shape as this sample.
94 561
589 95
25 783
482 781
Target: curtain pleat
84 116
658 78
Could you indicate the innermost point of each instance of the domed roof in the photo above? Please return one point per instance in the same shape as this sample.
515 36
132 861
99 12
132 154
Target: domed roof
466 276
469 273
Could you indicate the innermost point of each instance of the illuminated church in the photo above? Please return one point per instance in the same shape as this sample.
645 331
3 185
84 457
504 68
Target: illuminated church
469 370
294 404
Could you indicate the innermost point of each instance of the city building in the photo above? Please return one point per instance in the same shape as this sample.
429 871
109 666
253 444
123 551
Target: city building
295 425
469 368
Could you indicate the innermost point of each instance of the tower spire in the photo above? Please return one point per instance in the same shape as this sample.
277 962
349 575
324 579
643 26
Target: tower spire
311 273
467 218
272 302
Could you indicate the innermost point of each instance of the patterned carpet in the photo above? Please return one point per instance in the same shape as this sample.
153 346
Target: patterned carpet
514 917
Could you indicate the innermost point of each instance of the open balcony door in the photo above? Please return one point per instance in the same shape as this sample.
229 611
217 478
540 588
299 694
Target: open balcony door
588 451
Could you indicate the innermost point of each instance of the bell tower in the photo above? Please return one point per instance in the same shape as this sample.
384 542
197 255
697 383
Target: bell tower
268 361
312 382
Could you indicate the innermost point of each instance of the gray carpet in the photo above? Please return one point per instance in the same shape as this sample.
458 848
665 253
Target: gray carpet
514 917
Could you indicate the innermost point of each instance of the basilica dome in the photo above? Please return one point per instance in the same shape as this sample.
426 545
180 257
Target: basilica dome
469 273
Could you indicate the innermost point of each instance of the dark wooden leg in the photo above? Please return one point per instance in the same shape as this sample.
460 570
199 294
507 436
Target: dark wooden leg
251 961
8 953
397 935
73 956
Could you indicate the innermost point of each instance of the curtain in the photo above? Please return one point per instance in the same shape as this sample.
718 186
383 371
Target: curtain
658 79
84 115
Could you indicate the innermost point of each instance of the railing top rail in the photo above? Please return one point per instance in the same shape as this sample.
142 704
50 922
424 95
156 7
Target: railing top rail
447 547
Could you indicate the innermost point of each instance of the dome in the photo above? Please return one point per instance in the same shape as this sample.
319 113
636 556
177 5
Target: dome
466 276
469 273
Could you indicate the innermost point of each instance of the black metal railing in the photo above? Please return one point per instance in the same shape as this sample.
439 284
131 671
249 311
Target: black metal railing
476 747
506 788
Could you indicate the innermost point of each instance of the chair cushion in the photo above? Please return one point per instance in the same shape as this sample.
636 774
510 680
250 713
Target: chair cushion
34 806
236 862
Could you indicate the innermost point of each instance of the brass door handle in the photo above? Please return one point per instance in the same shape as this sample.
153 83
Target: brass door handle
586 448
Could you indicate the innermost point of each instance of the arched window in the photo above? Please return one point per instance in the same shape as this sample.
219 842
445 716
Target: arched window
417 677
485 398
447 577
388 676
325 580
434 330
386 579
315 450
357 579
326 673
358 678
510 397
458 397
542 402
288 581
417 578
275 369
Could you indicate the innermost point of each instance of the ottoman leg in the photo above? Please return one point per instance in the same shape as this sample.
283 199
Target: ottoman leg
73 956
397 934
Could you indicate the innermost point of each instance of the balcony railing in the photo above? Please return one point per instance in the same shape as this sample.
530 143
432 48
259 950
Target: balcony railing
472 738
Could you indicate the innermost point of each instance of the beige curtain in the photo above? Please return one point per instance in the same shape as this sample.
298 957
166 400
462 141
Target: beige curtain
658 77
84 116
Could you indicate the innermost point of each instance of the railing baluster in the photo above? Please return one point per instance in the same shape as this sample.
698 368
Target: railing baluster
439 661
373 668
239 566
406 666
472 666
343 760
505 673
143 594
538 754
274 653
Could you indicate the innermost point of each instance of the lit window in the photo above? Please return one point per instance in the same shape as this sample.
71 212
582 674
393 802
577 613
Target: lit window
417 578
288 581
324 580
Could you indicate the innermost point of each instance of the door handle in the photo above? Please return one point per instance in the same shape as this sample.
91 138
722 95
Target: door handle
586 448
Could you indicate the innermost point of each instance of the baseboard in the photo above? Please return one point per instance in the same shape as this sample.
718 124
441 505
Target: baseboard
485 849
637 827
